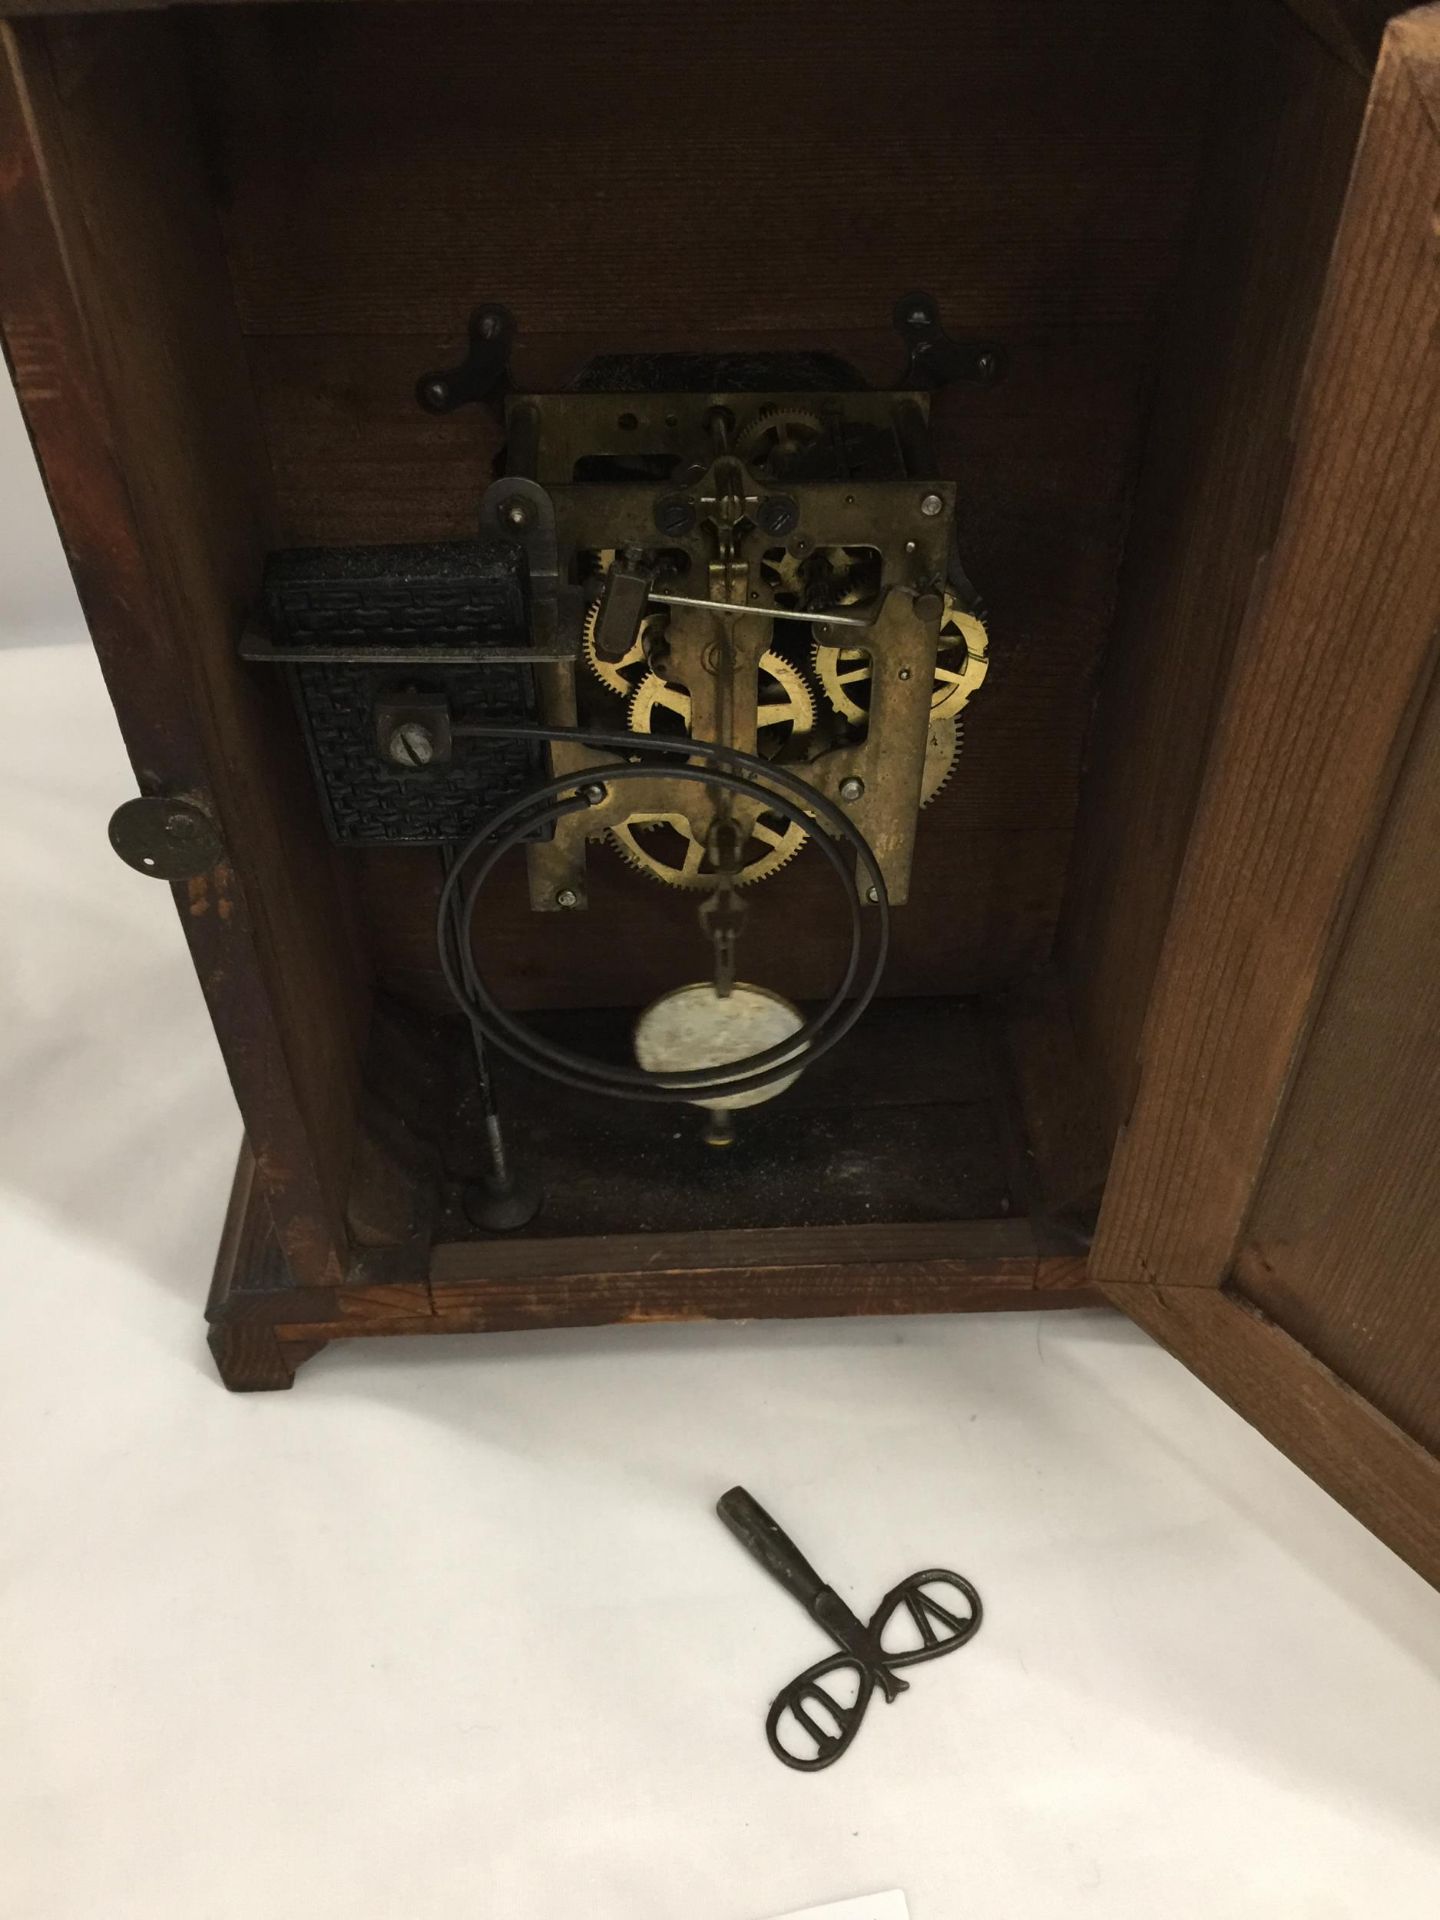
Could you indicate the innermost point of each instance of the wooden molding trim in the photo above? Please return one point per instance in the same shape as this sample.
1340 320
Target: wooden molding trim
477 1286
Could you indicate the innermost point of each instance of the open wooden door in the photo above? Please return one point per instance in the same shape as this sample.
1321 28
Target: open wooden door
1273 1213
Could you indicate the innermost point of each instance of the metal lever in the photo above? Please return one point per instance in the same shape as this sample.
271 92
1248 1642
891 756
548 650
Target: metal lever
623 602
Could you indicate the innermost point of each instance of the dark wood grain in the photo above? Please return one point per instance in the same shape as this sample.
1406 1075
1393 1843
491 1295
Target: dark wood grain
903 1122
382 167
1063 1116
1373 1469
785 1273
1323 696
1350 29
1343 1243
1217 460
259 1334
128 364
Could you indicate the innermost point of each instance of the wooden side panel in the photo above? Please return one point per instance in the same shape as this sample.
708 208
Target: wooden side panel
1326 688
131 373
1351 29
1343 1244
1373 1469
1287 116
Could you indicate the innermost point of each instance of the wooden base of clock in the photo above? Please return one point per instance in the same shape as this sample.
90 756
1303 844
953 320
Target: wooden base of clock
260 1333
902 1174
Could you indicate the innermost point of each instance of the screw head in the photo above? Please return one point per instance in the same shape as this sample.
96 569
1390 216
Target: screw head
489 324
594 793
872 894
436 393
675 515
932 505
918 316
518 512
986 366
851 787
778 514
567 897
903 674
412 745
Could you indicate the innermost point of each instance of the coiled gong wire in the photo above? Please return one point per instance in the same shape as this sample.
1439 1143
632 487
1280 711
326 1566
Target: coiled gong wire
722 768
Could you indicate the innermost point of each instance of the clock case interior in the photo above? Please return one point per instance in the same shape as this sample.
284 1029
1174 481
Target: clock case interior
289 211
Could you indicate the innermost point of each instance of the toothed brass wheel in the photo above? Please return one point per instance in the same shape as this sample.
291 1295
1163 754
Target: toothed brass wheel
776 435
961 663
942 744
621 676
784 710
664 846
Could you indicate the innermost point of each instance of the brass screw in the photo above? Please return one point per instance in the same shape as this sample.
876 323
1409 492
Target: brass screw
567 897
412 745
851 787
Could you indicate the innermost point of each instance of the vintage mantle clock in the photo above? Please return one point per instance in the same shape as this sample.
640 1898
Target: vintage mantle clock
781 668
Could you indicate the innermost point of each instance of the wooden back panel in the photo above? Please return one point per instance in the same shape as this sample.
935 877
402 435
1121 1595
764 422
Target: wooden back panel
771 175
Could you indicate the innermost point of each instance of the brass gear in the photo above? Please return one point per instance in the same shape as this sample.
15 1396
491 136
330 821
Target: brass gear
785 708
783 572
777 431
621 675
838 669
785 713
961 662
678 859
942 744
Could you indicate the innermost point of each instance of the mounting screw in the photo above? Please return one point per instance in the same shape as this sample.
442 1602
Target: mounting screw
872 894
778 514
567 897
518 512
436 393
596 795
987 366
851 787
488 325
903 674
919 316
411 745
674 515
931 505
